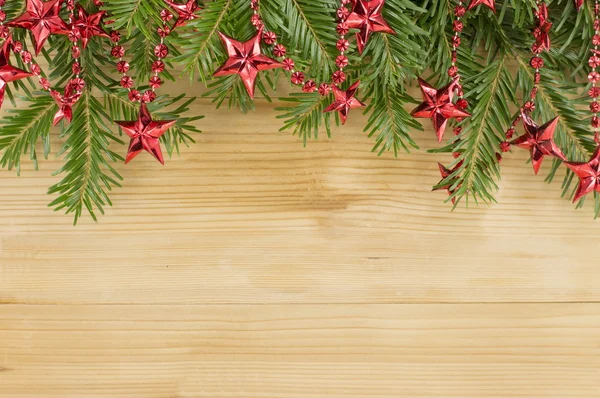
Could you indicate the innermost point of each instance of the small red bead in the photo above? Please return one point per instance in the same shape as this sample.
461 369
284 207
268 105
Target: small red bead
459 11
76 68
269 38
115 36
2 3
4 32
255 20
536 77
324 89
536 62
2 16
163 31
166 15
17 46
309 86
595 121
158 66
456 41
73 35
458 26
45 83
122 66
342 45
161 51
288 64
342 28
117 51
457 130
529 107
594 77
78 84
148 96
341 61
342 13
155 82
134 95
510 133
279 50
26 56
596 40
35 69
505 146
126 82
338 77
462 103
75 52
594 92
297 78
595 107
498 157
455 155
594 61
452 71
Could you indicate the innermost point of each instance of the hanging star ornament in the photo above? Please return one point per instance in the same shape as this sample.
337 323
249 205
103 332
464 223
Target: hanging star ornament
488 3
539 141
245 59
185 12
366 16
541 32
344 101
588 173
145 134
449 186
8 73
42 19
65 103
438 106
89 26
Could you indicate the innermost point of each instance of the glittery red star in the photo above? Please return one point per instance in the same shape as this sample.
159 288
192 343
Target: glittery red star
245 59
539 140
542 31
89 25
42 19
437 105
344 101
578 4
366 16
145 134
8 73
185 12
588 173
449 186
489 3
65 103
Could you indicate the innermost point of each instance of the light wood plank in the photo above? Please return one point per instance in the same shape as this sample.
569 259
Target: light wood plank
248 215
268 351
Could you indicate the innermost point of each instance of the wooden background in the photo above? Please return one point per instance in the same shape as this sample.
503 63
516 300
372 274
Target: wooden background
252 267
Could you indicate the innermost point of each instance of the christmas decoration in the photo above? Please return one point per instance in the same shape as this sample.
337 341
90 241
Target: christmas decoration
326 50
42 19
246 60
438 106
366 16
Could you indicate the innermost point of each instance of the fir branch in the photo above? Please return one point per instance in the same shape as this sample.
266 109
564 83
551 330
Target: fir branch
88 172
304 115
22 128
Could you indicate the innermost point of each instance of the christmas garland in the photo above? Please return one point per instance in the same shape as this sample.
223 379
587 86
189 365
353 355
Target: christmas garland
339 46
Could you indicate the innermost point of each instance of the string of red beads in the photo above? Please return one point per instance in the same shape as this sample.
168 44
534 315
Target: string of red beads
299 77
161 51
594 76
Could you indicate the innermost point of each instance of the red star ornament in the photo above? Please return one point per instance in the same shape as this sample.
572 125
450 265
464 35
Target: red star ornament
539 141
8 73
438 106
145 134
366 16
588 173
245 59
578 4
65 103
89 25
489 3
185 12
42 19
542 31
445 172
344 101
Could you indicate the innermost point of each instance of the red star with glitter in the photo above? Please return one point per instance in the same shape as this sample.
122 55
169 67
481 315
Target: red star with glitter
438 106
185 12
366 16
588 173
65 103
42 19
245 59
578 4
344 101
89 25
8 73
488 3
449 186
542 31
539 141
145 134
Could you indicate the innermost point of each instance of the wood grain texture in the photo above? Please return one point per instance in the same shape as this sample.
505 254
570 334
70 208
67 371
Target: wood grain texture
251 267
267 351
